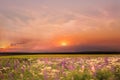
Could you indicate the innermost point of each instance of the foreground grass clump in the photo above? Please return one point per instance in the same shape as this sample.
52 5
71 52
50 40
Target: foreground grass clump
104 75
79 76
60 68
117 72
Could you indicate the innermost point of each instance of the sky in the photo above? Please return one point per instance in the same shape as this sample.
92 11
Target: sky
59 25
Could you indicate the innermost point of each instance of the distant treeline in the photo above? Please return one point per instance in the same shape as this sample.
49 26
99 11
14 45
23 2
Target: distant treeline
62 53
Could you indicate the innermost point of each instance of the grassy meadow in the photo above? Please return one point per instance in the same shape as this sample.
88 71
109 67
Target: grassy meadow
60 67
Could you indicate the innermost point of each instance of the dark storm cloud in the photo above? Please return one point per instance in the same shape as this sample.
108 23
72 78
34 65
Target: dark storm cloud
83 48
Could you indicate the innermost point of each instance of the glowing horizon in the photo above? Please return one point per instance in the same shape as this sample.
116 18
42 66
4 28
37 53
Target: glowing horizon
59 25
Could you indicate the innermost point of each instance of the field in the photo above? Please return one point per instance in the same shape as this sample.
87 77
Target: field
60 67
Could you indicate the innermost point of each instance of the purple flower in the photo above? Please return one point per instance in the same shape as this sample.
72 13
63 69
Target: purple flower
45 75
106 60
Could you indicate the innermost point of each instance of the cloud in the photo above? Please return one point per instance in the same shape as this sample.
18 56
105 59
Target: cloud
19 43
40 26
84 47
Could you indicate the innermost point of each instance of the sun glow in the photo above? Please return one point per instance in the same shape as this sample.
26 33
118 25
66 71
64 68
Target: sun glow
64 44
3 47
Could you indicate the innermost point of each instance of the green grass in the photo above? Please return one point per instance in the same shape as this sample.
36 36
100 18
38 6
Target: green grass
61 55
62 67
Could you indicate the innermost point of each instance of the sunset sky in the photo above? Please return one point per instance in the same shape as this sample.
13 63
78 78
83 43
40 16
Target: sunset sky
59 25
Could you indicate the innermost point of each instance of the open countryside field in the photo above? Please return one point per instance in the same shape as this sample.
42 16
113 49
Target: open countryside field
60 67
59 39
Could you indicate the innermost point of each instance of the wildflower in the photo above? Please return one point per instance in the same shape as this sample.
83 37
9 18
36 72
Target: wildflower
47 68
55 71
93 69
21 75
